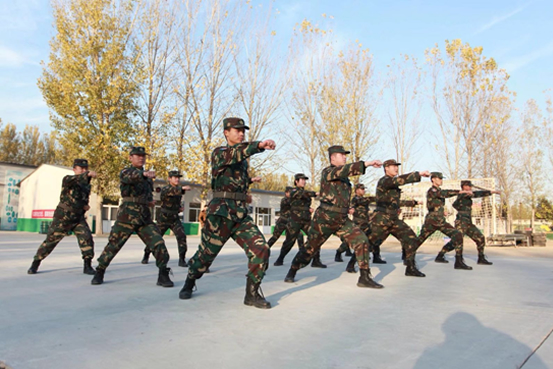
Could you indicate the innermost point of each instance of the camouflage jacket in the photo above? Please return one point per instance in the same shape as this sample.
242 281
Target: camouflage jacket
75 193
360 205
171 203
463 204
229 173
335 185
134 184
388 192
300 202
284 210
435 200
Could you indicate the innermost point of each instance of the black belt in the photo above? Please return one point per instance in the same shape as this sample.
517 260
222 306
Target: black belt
70 208
136 200
230 195
170 212
336 209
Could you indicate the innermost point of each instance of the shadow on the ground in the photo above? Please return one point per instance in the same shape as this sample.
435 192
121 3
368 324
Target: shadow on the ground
469 344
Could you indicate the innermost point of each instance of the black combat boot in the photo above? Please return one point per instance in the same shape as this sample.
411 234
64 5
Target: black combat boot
460 263
163 279
98 276
404 257
348 252
365 280
378 260
350 268
182 261
88 269
317 263
34 267
146 257
440 258
254 296
412 271
483 261
186 291
279 261
290 276
338 257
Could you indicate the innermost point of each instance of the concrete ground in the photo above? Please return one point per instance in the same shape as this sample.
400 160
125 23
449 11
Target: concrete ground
496 316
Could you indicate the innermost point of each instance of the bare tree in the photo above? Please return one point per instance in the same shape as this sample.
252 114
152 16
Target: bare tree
531 153
303 105
209 34
261 81
403 86
156 36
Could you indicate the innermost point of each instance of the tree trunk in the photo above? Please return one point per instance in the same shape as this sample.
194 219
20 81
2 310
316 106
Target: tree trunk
99 228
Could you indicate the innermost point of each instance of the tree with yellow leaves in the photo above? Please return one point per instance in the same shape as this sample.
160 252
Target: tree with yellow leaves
90 84
466 87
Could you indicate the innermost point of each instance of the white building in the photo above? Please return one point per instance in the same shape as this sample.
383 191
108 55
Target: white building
10 176
40 192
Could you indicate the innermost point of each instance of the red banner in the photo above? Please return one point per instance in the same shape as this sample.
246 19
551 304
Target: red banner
43 214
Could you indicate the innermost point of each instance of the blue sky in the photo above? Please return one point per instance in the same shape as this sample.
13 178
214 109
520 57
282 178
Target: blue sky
518 34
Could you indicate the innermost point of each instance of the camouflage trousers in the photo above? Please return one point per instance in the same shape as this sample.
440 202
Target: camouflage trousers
434 223
216 232
325 224
384 224
366 228
470 230
148 233
179 232
294 232
58 230
280 227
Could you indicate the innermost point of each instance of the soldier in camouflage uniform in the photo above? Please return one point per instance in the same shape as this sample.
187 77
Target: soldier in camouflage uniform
282 225
463 222
435 220
69 216
331 217
360 205
300 219
134 215
227 213
385 219
171 205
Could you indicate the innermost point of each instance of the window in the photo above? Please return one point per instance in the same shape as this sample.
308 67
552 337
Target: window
263 216
194 212
109 212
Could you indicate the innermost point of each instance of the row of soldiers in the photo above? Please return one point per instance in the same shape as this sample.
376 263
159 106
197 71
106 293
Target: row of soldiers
227 216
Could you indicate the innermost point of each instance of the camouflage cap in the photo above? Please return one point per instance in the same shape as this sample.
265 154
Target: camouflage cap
360 185
390 162
466 183
337 149
234 123
300 176
436 175
138 150
80 163
288 189
174 173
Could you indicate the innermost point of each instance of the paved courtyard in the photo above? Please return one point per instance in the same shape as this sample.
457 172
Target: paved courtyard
496 316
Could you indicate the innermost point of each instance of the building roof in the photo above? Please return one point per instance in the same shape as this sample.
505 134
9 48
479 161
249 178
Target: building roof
17 164
40 166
